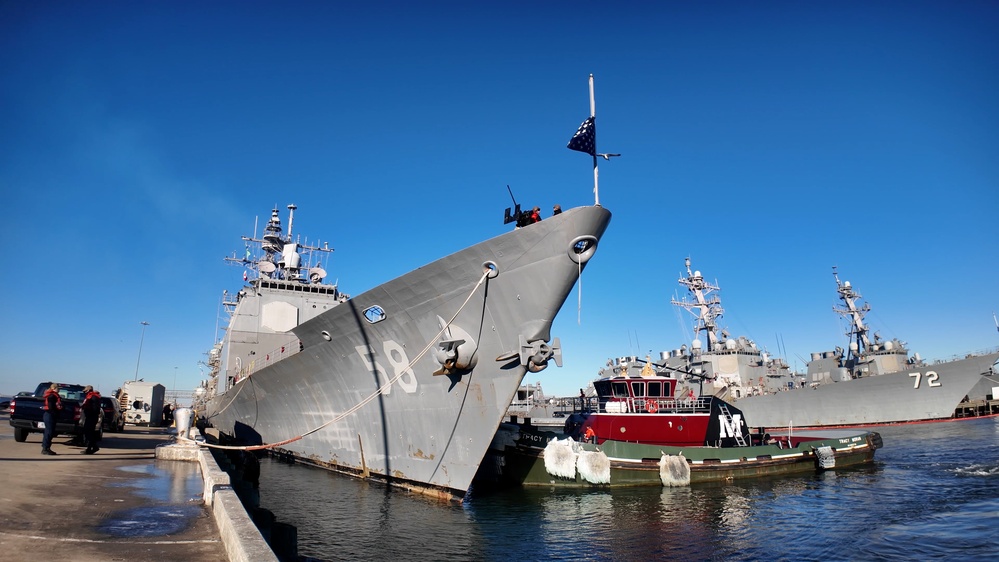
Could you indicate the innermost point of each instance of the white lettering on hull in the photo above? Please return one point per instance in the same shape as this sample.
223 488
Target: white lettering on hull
729 427
397 358
932 379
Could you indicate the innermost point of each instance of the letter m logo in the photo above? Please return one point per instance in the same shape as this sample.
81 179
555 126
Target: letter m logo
729 425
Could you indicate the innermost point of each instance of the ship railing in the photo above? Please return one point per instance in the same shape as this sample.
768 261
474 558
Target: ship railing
653 405
976 353
269 358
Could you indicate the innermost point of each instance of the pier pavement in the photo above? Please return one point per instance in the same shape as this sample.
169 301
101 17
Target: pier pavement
119 504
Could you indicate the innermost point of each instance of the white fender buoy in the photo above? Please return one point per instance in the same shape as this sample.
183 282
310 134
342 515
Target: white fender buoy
674 470
560 458
594 467
826 457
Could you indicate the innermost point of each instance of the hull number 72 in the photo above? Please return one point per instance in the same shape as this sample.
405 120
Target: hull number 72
932 379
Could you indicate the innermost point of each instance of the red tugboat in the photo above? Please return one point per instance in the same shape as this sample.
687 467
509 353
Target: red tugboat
647 429
653 409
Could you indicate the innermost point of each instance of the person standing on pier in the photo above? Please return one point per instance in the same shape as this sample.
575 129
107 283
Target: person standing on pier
51 404
91 415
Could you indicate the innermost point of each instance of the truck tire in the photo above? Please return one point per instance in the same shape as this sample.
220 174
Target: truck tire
20 434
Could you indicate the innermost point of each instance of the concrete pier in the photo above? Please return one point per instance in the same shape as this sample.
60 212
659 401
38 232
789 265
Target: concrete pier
129 501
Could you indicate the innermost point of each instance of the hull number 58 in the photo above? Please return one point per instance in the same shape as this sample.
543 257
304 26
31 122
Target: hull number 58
397 358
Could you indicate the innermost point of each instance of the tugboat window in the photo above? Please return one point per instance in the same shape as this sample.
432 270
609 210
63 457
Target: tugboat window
620 390
655 389
638 388
374 314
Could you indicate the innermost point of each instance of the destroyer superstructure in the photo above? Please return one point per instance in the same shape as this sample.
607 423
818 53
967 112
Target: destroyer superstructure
735 367
721 365
406 382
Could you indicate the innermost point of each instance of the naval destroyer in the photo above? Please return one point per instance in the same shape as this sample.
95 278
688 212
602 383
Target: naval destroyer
407 382
871 382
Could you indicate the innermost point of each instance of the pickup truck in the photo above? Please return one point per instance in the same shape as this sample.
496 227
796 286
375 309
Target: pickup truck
26 412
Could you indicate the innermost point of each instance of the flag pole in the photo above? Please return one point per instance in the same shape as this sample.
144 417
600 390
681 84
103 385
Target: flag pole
596 173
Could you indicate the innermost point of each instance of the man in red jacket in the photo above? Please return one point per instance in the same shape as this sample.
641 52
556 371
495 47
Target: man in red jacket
51 404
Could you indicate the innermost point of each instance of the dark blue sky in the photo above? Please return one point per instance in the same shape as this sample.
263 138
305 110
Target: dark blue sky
767 141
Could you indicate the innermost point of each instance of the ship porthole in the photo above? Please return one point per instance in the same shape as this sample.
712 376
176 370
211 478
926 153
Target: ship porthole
582 248
374 314
491 268
326 335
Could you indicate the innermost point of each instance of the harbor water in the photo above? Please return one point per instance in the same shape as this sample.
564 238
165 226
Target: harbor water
931 494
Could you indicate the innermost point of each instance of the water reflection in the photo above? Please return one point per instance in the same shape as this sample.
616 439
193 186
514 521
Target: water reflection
930 491
166 481
176 486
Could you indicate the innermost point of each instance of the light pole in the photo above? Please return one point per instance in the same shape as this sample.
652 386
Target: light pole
175 384
142 337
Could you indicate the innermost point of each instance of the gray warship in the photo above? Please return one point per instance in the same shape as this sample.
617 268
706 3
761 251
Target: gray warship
407 382
871 382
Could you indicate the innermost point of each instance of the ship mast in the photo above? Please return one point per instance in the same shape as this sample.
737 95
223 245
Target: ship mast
859 342
283 257
708 310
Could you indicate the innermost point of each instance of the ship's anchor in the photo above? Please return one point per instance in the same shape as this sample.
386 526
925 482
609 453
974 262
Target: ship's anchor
535 354
456 350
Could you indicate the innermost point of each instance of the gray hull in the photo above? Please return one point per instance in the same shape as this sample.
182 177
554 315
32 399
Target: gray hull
421 430
889 398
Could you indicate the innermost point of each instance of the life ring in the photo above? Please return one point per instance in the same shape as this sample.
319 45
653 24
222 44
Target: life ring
651 406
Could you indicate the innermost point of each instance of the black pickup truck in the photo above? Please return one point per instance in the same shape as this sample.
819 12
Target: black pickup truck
26 412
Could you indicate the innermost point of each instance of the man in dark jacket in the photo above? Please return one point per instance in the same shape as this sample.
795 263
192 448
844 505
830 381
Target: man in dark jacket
91 416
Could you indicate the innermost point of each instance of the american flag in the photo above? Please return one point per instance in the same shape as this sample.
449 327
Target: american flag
585 139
